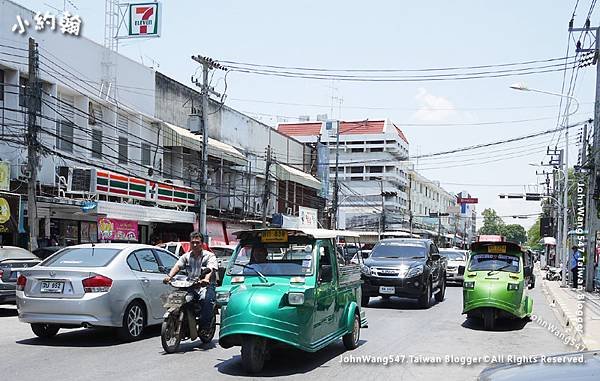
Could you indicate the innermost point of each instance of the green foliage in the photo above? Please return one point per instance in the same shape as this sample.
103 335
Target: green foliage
514 233
493 225
533 235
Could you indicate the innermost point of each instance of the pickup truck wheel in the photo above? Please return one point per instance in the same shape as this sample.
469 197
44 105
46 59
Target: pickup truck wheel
351 338
364 300
439 296
488 319
45 331
253 353
425 299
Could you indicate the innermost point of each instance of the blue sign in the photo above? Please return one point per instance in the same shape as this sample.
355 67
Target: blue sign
88 206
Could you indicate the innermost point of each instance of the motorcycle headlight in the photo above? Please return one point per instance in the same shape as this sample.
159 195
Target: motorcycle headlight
296 298
414 271
365 269
512 287
469 285
222 297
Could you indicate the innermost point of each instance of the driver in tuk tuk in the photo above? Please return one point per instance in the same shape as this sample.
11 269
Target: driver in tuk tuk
194 262
259 255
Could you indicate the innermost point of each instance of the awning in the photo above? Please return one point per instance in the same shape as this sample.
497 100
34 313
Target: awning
143 213
175 136
287 173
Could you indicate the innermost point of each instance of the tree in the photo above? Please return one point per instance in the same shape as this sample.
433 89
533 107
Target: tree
533 235
492 224
514 233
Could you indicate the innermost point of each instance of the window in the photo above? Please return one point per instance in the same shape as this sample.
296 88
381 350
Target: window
1 85
122 124
97 144
357 150
356 169
95 113
147 261
145 154
166 260
64 135
376 169
123 147
133 263
23 91
377 142
377 149
82 257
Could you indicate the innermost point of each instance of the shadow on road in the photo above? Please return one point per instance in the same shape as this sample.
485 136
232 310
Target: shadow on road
396 303
86 337
192 346
502 325
285 361
7 311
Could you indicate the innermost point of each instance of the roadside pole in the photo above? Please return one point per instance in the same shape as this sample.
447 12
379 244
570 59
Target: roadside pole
267 189
33 92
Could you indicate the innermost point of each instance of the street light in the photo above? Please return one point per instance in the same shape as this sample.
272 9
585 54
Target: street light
565 228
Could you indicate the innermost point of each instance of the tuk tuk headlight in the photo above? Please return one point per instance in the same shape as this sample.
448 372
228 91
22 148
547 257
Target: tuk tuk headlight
296 298
469 285
222 297
512 287
415 271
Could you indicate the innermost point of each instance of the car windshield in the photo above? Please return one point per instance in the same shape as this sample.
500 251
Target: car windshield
278 259
82 257
15 253
494 262
453 255
400 249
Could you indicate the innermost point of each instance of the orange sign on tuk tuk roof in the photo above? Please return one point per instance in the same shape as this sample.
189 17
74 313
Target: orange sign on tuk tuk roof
490 238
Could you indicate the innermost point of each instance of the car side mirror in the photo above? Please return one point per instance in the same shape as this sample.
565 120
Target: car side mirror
461 270
527 271
435 256
326 273
364 254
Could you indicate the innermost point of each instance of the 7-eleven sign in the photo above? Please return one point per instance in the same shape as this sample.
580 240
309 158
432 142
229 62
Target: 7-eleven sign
144 19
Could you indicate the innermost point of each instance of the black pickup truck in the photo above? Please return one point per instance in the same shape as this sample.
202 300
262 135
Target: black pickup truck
404 267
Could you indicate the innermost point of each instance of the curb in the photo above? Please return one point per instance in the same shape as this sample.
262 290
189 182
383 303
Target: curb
567 319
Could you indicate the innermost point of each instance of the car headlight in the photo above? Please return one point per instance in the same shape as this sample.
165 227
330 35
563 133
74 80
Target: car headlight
222 297
512 287
469 285
414 271
296 298
365 269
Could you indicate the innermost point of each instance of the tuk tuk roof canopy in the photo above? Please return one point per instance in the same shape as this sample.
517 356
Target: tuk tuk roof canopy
315 233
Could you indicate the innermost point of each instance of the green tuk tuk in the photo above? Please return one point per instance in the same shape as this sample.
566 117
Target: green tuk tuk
496 281
289 287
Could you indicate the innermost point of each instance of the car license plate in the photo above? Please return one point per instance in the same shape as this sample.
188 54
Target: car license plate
387 290
52 287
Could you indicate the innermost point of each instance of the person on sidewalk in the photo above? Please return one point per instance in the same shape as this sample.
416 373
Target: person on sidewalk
575 255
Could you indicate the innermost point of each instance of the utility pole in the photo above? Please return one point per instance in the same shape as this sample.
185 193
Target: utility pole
439 228
33 106
410 213
336 186
593 222
382 207
207 64
267 191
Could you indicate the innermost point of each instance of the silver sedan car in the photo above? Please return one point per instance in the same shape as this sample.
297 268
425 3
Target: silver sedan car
96 285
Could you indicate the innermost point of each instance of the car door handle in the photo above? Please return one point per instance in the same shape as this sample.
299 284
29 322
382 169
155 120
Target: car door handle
145 280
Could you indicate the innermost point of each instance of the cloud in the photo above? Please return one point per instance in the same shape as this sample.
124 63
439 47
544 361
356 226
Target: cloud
434 108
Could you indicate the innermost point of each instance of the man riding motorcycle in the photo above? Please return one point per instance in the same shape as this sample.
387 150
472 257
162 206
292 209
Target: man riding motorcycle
194 262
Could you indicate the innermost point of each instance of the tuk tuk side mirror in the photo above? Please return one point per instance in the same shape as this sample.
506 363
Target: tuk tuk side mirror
527 271
326 273
461 270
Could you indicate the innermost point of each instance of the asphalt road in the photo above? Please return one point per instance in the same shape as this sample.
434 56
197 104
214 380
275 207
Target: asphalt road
396 327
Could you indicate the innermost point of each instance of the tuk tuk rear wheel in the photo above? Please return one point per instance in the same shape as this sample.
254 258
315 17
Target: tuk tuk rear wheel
489 320
351 338
253 353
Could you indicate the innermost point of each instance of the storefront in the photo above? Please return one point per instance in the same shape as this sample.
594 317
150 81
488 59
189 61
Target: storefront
10 218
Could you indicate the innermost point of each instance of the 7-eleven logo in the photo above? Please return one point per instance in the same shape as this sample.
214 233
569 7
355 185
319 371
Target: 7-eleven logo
143 19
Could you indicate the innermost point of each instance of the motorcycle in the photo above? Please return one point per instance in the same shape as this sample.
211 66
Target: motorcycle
182 319
553 273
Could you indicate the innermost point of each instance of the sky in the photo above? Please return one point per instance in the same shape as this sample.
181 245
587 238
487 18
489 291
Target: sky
387 35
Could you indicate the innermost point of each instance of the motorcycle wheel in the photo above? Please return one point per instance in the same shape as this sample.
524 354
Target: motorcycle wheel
207 335
253 353
169 338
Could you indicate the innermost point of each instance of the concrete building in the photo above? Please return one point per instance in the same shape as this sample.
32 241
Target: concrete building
120 151
372 160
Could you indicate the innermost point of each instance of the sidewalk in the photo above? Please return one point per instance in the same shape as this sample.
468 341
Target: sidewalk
565 303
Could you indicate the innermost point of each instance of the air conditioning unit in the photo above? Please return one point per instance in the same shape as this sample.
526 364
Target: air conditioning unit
174 182
77 180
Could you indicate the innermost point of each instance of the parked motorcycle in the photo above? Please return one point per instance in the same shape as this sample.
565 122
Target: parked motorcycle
553 273
182 319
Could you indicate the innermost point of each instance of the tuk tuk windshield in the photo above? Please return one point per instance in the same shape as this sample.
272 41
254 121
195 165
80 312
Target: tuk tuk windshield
277 259
494 262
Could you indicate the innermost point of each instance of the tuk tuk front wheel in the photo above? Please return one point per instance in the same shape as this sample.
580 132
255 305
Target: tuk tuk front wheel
253 353
489 320
351 338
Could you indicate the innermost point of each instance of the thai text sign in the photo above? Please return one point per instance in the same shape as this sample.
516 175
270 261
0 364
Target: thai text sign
110 229
9 212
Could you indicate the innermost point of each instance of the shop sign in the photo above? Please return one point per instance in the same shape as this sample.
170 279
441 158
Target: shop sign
308 217
88 206
144 20
4 175
110 229
9 212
